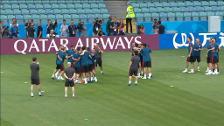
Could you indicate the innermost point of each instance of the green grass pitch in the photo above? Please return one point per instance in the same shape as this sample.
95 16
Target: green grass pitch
195 99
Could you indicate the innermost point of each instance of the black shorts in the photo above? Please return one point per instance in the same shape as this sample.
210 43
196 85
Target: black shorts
69 83
147 64
197 58
60 66
209 59
35 81
214 59
85 69
133 72
78 70
99 62
190 59
92 67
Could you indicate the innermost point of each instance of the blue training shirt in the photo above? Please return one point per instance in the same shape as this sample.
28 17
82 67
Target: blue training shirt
145 52
62 55
70 52
197 49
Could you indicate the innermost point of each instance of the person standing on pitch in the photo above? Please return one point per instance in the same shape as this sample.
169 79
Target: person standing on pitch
190 58
35 80
197 52
133 68
69 75
147 64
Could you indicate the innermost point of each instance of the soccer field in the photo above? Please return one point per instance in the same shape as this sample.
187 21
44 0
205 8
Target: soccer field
170 98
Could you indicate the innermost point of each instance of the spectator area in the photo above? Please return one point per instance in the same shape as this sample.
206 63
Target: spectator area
177 10
85 10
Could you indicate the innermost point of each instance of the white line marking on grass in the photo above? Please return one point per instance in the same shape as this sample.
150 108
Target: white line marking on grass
171 86
25 82
86 119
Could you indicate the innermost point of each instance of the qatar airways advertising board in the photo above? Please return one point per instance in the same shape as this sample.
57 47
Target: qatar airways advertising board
109 43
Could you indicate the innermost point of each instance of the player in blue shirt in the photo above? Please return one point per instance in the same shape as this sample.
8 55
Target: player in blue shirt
93 66
60 57
209 55
190 58
197 52
85 63
69 54
214 58
145 52
77 65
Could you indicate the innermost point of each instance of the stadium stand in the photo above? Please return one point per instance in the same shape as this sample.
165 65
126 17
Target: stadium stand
86 10
181 10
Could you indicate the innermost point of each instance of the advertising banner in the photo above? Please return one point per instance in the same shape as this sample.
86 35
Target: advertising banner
108 43
179 40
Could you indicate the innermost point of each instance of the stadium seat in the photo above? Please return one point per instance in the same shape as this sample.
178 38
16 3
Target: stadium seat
47 6
16 11
180 4
15 6
155 15
212 3
203 16
148 16
142 5
23 6
3 17
187 16
75 16
78 6
67 16
103 11
135 5
149 4
72 11
196 3
94 5
25 11
152 10
163 16
210 13
65 11
31 6
6 6
57 11
70 6
19 18
42 11
205 3
140 17
145 9
8 11
55 6
195 16
86 6
179 16
27 17
171 16
10 17
39 6
207 8
35 17
51 16
138 10
62 6
101 5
